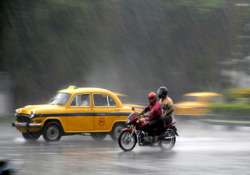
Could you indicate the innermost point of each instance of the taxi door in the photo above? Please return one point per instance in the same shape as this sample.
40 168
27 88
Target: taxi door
105 112
80 116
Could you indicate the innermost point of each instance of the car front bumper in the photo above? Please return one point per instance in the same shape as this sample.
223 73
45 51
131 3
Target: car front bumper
26 125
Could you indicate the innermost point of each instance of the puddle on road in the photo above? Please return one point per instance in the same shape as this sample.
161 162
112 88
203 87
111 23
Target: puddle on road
19 140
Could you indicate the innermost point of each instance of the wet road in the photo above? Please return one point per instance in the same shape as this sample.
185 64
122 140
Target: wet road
201 149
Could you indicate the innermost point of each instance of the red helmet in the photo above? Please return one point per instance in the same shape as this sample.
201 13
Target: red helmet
152 96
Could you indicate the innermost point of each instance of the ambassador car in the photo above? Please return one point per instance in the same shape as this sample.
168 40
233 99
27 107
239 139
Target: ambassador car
88 111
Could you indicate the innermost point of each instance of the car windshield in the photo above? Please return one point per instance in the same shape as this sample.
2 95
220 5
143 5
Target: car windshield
202 98
190 98
60 99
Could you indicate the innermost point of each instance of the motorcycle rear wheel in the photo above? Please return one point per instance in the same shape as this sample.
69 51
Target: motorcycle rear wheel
168 140
127 141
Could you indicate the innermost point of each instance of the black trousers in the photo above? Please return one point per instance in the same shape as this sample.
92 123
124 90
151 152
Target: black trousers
167 120
154 125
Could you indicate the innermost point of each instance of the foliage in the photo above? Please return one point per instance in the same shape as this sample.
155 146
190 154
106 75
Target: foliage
203 3
238 93
236 102
128 46
231 108
203 6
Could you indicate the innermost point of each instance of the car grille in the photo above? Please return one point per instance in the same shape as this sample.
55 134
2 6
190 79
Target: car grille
22 118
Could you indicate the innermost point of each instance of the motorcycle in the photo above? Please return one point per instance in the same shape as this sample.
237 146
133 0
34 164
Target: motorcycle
165 137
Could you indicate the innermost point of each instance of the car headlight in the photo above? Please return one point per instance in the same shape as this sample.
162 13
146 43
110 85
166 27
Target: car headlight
32 115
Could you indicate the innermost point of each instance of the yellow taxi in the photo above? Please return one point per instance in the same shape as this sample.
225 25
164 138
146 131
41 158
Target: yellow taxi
95 111
196 103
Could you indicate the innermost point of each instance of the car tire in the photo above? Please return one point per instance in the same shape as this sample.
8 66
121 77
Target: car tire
116 131
98 136
52 131
31 136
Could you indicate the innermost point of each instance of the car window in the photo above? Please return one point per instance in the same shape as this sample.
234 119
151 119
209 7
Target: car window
103 100
111 101
100 100
81 100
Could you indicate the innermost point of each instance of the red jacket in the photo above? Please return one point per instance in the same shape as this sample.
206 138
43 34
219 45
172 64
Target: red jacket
154 111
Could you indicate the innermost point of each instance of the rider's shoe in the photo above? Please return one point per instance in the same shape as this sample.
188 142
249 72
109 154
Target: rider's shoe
141 138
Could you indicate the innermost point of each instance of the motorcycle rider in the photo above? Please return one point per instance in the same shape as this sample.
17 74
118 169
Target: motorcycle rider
167 105
152 113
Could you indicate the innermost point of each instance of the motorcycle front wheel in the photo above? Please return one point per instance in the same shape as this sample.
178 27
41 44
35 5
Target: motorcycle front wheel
168 140
127 140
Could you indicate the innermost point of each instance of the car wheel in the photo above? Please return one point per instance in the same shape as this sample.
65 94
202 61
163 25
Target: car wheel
116 131
52 131
31 136
98 136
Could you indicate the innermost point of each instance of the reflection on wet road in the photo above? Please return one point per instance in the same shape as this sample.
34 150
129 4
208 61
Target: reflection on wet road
201 149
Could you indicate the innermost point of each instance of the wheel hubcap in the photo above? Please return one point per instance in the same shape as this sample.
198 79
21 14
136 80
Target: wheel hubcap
52 133
127 140
168 141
